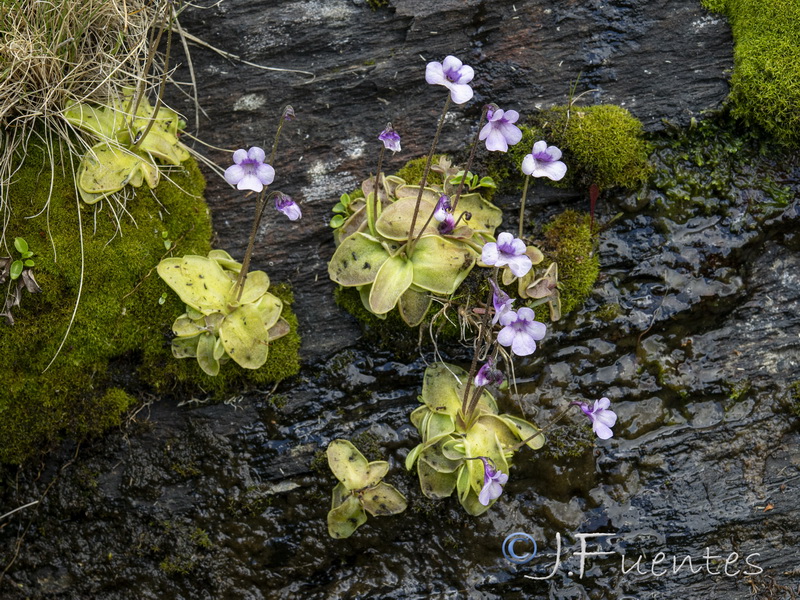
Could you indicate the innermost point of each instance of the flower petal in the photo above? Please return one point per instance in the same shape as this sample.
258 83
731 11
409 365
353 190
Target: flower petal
523 344
554 170
250 182
265 173
490 253
602 431
234 174
520 265
434 74
256 154
460 93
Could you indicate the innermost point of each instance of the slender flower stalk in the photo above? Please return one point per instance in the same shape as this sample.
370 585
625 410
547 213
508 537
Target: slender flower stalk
468 166
372 205
461 183
522 206
261 201
424 179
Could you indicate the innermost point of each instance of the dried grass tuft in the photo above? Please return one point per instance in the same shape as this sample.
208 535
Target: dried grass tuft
55 52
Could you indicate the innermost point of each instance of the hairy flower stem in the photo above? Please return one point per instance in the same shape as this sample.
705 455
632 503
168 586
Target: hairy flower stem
468 404
424 180
544 429
471 157
372 213
161 85
286 115
261 203
522 205
463 178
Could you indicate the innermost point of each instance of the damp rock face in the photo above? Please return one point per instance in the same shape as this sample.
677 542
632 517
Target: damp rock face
661 61
692 330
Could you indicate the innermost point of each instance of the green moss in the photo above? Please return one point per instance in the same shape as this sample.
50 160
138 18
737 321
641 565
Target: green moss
793 398
118 319
118 312
376 4
765 86
567 441
601 145
708 169
413 169
104 413
569 242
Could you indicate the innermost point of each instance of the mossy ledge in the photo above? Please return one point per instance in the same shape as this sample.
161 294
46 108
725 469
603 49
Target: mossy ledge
765 86
602 145
124 314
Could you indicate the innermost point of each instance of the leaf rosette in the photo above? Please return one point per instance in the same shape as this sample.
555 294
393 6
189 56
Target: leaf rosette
218 326
121 156
376 252
447 457
360 490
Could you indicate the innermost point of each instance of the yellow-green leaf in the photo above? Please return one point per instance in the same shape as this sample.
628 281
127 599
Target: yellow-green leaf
392 280
245 338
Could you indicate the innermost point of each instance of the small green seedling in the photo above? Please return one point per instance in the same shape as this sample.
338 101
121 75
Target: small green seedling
18 271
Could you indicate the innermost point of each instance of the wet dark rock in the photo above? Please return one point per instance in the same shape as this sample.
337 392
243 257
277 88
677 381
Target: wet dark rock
693 331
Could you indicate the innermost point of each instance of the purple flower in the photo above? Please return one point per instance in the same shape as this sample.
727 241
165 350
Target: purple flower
443 207
493 482
502 302
521 331
288 113
452 74
287 206
249 172
390 138
500 132
543 162
508 250
447 222
487 374
601 416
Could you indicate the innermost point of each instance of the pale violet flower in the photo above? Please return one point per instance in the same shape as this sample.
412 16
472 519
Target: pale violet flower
601 416
493 482
502 302
249 171
287 206
487 374
390 138
500 131
507 251
452 74
520 331
443 207
447 222
543 162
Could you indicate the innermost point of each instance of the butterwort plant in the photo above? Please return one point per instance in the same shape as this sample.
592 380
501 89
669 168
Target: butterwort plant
408 243
360 490
230 313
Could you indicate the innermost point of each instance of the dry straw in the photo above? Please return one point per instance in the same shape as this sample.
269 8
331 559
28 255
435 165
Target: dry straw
56 52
